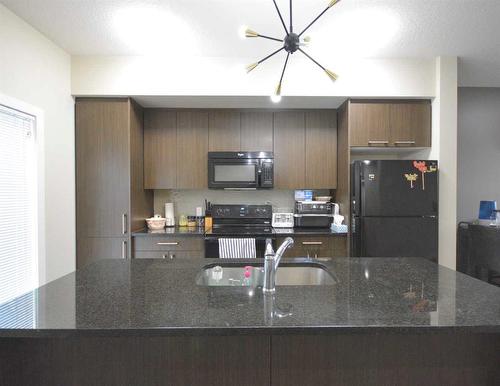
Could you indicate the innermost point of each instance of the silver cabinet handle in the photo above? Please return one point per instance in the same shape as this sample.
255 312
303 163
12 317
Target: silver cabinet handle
404 142
124 249
378 142
171 243
170 255
312 243
124 223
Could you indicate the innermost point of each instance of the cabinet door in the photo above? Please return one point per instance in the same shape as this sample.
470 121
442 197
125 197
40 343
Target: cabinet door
321 149
160 149
369 124
289 150
102 167
224 130
90 249
257 131
192 149
411 124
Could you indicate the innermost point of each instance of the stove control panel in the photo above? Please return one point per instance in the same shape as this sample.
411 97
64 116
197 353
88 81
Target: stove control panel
242 211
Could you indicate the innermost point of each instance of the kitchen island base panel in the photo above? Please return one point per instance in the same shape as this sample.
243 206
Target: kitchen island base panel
133 361
441 359
434 359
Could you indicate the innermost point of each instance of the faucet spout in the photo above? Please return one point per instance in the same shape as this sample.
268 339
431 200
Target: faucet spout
271 263
287 243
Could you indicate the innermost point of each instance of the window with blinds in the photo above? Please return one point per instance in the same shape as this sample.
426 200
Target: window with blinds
18 207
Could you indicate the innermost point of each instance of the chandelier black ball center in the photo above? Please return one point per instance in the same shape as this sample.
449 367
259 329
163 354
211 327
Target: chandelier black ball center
292 41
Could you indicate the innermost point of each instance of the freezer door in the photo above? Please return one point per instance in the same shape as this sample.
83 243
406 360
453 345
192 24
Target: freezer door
399 237
398 188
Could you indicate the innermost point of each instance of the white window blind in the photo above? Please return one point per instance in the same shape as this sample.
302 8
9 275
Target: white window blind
18 204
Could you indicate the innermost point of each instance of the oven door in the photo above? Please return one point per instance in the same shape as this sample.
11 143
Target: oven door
233 173
212 246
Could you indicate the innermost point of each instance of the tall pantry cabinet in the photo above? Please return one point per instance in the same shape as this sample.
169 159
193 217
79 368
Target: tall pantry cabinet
110 198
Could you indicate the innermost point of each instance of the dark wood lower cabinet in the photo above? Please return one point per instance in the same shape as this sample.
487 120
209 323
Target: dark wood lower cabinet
135 361
317 246
444 359
431 359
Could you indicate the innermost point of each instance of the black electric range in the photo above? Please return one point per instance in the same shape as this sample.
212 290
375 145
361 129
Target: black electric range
239 221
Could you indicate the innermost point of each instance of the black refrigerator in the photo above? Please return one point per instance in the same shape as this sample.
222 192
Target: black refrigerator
394 208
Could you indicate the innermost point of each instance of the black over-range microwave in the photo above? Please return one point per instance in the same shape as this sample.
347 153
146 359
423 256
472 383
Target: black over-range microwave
240 170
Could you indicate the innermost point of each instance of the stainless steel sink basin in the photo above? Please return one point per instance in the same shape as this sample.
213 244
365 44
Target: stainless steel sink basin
233 275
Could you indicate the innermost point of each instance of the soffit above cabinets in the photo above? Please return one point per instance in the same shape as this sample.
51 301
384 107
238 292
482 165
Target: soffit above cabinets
239 102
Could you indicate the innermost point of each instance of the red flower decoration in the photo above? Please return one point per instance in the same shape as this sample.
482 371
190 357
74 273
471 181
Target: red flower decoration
421 166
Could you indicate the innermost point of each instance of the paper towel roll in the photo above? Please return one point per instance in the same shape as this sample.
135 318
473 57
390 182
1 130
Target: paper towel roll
199 211
169 210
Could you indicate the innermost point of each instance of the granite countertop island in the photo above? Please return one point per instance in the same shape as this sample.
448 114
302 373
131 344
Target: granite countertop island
160 297
146 322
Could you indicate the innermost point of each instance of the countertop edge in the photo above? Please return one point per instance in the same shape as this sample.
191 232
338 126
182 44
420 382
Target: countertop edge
241 331
176 232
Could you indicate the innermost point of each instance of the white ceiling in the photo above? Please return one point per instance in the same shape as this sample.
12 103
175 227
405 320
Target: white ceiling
359 28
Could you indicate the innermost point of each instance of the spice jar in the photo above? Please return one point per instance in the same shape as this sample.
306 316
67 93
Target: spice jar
191 221
183 221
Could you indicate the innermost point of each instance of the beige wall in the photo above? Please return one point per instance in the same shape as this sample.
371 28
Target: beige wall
35 71
132 75
479 149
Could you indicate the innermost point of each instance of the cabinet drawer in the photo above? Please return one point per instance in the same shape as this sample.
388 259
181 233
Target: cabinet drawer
168 254
310 246
317 246
160 243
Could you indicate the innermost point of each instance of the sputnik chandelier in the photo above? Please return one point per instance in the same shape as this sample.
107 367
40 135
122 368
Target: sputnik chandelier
291 44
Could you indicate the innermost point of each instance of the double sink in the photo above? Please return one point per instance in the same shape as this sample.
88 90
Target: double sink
252 275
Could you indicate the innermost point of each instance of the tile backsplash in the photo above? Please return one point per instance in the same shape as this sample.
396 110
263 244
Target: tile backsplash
186 201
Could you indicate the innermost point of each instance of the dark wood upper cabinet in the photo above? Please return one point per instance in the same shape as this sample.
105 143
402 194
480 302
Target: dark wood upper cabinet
321 149
369 124
103 166
224 130
110 198
160 149
192 149
176 144
400 123
410 124
257 131
289 150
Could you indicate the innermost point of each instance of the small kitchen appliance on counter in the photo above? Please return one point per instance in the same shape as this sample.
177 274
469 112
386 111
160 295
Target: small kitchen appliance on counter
313 214
283 220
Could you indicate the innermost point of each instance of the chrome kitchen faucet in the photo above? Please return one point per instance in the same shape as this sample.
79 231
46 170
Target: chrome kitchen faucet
271 262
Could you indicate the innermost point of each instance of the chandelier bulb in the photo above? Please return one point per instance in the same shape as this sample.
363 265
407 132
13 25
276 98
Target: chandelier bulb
251 33
251 67
332 3
333 76
276 97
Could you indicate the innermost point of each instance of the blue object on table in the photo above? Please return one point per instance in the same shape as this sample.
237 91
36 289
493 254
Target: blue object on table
486 209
